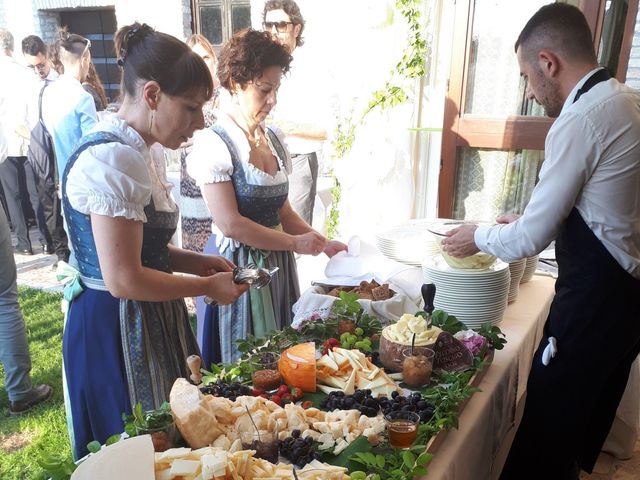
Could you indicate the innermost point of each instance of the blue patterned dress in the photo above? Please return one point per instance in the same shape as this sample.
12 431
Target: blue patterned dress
260 311
118 352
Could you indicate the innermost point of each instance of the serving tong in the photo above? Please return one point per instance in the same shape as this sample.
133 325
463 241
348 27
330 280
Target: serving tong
250 275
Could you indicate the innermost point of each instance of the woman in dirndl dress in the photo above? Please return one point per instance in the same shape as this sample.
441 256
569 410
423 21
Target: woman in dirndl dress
241 167
127 335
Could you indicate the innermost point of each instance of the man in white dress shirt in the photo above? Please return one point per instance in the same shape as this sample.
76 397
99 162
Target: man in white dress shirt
298 113
36 54
15 172
587 200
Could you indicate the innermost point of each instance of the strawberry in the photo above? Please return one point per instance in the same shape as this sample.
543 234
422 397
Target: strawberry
282 389
277 400
374 337
256 392
286 398
264 395
296 393
307 404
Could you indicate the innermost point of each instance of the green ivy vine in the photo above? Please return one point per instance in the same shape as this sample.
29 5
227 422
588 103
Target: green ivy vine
410 67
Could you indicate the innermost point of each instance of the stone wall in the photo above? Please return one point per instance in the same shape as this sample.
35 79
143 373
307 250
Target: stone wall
42 17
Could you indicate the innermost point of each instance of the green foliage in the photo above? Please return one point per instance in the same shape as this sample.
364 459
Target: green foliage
494 336
58 466
149 420
334 212
448 323
411 66
447 395
392 464
240 372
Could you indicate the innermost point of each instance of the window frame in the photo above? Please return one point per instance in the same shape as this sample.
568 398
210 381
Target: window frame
503 133
226 7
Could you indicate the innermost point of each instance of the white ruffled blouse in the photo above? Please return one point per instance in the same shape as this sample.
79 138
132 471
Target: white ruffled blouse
210 160
119 180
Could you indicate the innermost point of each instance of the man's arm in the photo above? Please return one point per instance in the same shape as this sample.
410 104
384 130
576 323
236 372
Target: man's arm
572 152
302 130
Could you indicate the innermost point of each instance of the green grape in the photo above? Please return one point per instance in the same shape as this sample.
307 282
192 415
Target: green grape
359 332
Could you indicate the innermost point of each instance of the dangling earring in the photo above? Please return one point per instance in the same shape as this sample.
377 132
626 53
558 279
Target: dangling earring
151 120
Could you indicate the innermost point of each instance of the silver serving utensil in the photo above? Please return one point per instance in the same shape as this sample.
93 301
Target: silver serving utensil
251 275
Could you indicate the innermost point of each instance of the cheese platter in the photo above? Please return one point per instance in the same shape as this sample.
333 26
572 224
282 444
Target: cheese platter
341 397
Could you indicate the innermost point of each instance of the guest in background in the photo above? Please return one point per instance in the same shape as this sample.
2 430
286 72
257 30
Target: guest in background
16 175
194 216
35 53
128 334
299 112
241 168
14 350
93 85
68 112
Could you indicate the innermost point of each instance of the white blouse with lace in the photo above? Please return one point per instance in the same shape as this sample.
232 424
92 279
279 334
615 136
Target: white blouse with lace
210 160
119 180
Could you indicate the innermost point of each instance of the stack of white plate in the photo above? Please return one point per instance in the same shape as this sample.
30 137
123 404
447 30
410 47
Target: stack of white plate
408 243
476 297
529 269
516 269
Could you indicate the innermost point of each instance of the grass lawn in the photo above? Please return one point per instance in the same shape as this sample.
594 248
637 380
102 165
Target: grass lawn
45 426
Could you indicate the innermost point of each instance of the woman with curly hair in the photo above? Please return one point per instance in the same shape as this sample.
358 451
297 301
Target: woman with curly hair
241 167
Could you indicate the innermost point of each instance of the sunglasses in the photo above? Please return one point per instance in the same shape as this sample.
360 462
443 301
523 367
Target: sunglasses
40 66
86 47
281 27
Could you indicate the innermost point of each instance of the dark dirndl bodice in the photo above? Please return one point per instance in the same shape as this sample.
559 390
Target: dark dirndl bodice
261 204
155 337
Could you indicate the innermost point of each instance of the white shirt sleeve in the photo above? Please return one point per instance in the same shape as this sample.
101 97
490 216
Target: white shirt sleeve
209 160
572 149
110 179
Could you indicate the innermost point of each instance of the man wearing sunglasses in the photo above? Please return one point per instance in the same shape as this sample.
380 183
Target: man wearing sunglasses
35 53
299 110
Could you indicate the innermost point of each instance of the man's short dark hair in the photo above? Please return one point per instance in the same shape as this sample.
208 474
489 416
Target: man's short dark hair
33 45
558 27
292 9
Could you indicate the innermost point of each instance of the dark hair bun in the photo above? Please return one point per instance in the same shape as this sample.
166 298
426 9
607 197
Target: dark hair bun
132 35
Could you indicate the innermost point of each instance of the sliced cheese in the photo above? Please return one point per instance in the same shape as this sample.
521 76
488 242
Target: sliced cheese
182 468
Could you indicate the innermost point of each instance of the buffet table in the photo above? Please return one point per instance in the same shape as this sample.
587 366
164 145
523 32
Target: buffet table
478 448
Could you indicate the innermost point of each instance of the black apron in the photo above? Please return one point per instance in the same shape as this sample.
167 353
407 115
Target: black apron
571 403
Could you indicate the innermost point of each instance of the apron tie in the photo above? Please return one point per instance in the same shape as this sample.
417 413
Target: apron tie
262 312
70 277
549 351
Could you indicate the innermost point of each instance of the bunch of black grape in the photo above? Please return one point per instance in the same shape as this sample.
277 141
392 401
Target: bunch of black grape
298 450
226 390
412 403
360 400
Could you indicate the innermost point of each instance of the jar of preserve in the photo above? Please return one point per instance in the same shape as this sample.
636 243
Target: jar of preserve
417 366
265 375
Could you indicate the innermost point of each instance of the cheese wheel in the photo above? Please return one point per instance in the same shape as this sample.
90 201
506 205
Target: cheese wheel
130 459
